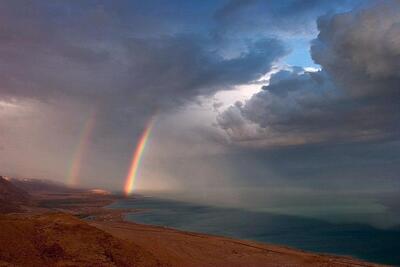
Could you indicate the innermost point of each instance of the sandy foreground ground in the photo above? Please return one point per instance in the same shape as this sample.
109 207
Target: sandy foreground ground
178 248
59 236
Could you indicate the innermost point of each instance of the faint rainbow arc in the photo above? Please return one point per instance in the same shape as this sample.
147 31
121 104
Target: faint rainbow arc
137 156
84 138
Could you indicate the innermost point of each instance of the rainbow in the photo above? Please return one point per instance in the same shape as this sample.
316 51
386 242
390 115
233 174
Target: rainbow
137 156
84 138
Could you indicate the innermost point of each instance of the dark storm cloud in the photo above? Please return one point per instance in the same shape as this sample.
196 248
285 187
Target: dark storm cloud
63 64
181 67
354 98
52 49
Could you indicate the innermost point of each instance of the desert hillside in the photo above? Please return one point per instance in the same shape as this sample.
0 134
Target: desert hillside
179 248
63 240
12 197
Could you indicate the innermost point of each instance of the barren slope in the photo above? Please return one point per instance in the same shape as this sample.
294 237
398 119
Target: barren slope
11 197
178 248
63 240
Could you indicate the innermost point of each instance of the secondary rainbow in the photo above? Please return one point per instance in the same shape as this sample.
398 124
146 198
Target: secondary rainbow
137 156
80 151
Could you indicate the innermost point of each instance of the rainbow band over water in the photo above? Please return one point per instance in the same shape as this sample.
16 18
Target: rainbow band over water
137 156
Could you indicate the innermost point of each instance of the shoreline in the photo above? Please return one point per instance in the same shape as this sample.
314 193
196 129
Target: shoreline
115 218
174 247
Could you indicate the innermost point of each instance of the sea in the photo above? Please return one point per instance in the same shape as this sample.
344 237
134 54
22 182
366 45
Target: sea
358 240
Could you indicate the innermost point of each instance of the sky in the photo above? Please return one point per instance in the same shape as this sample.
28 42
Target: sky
255 104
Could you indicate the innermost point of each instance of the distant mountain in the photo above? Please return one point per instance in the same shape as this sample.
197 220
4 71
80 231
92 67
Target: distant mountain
34 186
12 197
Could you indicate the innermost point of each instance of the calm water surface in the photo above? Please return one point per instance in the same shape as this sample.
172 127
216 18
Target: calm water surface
358 240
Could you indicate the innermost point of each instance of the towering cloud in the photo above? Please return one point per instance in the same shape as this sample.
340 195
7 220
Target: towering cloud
353 98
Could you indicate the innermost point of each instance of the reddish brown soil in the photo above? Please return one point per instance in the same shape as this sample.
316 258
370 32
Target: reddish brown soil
63 240
178 248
